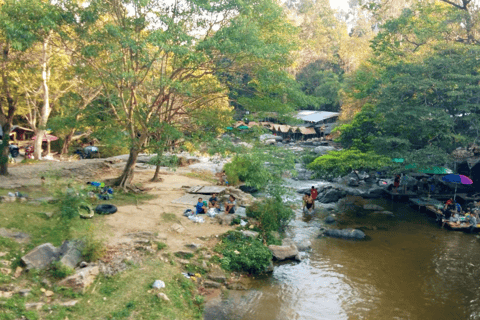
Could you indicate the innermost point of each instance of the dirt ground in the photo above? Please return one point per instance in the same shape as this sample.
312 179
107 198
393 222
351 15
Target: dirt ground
157 215
160 214
21 175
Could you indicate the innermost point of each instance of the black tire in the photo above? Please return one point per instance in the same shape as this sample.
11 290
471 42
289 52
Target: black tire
85 211
14 153
105 209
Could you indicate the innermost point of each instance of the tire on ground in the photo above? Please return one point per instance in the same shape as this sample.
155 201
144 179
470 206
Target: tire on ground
105 209
85 211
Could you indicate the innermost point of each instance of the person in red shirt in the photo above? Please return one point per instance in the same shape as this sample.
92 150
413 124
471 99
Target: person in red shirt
314 193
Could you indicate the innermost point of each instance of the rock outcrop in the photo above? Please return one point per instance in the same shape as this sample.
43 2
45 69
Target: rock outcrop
41 256
83 278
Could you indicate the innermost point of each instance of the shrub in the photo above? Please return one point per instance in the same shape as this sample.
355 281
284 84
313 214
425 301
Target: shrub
244 254
59 270
94 249
70 204
161 245
339 163
272 214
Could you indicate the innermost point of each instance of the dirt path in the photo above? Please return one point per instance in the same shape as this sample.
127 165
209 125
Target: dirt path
160 214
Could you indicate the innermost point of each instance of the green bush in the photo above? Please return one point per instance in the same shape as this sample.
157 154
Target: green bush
339 163
70 204
272 214
59 270
94 249
161 245
244 254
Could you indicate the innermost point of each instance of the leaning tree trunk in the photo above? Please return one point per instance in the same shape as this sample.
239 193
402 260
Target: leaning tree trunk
126 178
156 177
4 149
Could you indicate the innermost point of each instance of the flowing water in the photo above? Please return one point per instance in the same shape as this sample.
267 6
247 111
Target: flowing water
408 268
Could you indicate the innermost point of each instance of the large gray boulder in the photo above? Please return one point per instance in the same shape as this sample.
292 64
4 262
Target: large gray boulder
71 253
284 252
349 234
332 195
41 256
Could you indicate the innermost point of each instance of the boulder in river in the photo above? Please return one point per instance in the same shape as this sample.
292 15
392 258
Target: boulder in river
349 234
373 207
332 195
284 252
330 219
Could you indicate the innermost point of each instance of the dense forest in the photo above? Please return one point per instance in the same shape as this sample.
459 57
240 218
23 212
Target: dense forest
139 74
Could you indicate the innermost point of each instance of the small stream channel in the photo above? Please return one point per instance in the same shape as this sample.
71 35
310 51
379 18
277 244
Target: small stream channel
408 268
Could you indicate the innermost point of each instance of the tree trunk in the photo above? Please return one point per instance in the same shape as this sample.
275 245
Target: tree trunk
37 149
156 175
45 112
4 149
127 176
67 141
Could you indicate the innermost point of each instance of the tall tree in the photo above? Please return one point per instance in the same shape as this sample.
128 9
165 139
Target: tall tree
157 61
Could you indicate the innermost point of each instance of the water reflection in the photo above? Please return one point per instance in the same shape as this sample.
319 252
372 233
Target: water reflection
409 269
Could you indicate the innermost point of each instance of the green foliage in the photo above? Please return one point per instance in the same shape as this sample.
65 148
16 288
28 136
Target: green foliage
59 270
272 213
261 168
161 245
186 256
361 131
94 249
70 204
244 254
339 163
236 221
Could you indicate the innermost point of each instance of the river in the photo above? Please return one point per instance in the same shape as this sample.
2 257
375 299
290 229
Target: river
409 268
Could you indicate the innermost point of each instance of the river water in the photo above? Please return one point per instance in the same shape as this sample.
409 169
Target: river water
408 268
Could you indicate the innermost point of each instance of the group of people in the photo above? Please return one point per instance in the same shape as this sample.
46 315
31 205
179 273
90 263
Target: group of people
202 206
309 201
453 211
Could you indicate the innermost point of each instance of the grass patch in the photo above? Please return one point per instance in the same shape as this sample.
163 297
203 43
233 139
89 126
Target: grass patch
161 245
60 271
169 217
184 256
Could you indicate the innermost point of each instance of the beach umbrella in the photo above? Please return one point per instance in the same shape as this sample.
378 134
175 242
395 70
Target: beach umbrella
47 137
457 179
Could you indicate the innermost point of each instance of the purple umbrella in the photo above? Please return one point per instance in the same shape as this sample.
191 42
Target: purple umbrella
457 178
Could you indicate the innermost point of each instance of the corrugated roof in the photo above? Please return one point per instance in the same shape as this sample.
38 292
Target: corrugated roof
307 131
315 116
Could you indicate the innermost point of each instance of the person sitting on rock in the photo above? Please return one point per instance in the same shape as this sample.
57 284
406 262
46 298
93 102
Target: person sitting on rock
200 207
308 204
230 205
213 201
